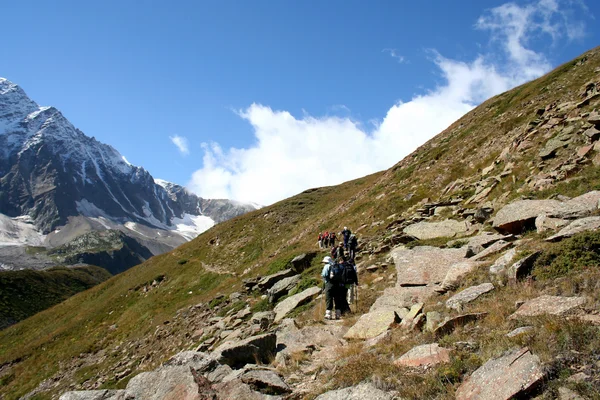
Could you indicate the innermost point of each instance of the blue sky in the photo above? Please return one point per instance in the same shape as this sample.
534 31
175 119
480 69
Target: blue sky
266 98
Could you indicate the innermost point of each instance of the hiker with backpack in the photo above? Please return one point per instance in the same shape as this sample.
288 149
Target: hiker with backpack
326 239
346 235
338 253
320 240
332 274
352 245
332 239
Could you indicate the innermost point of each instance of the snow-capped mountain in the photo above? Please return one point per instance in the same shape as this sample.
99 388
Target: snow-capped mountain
53 176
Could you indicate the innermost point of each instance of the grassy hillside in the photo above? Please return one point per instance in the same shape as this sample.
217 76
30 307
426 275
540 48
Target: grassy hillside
24 293
129 316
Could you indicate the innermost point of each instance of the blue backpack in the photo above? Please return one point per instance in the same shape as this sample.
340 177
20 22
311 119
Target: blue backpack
336 273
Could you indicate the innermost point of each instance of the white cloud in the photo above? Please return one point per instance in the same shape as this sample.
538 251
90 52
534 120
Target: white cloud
292 154
394 54
181 143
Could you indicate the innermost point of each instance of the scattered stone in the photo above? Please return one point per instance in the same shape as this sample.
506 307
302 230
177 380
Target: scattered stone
408 319
243 313
263 318
500 265
521 331
583 151
268 281
431 230
282 288
362 391
288 305
372 268
567 394
544 223
455 273
236 354
377 280
466 296
579 377
523 267
495 248
592 133
433 320
194 359
236 389
452 323
219 373
95 395
592 319
372 324
424 355
577 226
480 242
265 381
503 378
552 305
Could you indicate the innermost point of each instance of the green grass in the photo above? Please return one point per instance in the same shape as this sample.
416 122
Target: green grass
580 251
25 293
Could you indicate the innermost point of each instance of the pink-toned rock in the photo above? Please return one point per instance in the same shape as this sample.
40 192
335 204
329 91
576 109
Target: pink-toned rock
424 265
503 378
427 354
548 305
583 151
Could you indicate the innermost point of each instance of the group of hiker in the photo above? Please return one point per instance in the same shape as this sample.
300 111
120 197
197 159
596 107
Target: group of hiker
339 272
346 250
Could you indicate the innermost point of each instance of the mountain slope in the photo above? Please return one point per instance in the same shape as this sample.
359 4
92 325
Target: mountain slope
24 293
56 183
501 150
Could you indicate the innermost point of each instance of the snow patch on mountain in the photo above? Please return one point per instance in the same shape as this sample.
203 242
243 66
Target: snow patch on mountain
19 231
191 226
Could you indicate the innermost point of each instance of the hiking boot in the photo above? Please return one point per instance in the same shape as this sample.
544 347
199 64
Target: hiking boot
328 314
338 314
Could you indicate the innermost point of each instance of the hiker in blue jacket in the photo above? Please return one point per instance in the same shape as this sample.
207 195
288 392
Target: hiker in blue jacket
334 288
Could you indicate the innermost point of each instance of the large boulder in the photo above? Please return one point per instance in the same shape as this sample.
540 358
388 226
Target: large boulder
432 230
165 383
268 281
425 265
302 261
288 305
521 214
424 355
282 288
292 339
362 391
456 302
372 324
503 378
577 226
549 305
255 348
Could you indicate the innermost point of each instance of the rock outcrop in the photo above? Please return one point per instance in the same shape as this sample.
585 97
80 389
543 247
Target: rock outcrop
503 378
